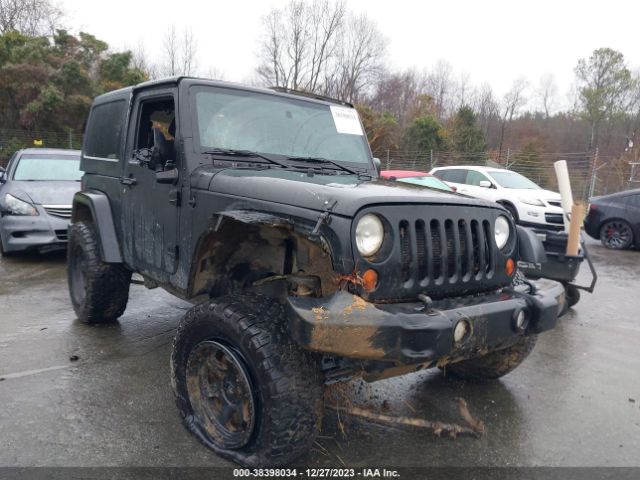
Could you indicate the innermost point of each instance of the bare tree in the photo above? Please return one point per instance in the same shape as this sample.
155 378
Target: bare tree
486 106
215 73
140 60
359 59
547 92
169 66
463 90
396 93
511 104
440 85
299 43
30 17
188 52
179 53
327 21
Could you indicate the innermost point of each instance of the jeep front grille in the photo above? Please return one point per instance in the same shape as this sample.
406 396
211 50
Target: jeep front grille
437 250
445 251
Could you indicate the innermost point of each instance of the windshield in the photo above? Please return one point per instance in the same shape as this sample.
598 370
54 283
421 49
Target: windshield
431 182
271 124
48 167
513 180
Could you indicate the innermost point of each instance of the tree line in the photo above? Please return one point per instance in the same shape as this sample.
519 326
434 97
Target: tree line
48 77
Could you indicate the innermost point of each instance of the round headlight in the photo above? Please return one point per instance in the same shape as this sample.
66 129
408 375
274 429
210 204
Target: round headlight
369 234
502 231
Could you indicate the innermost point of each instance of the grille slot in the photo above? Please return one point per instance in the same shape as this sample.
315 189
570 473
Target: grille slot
62 235
447 252
61 211
405 250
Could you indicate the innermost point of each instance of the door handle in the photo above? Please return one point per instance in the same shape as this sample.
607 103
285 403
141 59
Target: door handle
128 181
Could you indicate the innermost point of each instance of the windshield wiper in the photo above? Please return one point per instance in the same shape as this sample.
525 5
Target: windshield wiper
230 152
325 161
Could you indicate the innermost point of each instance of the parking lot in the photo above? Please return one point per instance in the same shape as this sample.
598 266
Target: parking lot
79 395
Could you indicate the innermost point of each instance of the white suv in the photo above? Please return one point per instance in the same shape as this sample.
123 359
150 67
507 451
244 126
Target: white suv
528 203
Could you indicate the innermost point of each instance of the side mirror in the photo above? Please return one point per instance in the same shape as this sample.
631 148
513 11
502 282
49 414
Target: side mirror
486 184
3 174
378 164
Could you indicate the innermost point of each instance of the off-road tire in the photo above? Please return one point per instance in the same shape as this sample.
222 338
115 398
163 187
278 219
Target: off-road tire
287 384
572 294
495 364
99 291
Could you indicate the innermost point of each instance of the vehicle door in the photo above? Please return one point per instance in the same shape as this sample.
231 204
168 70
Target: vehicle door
151 184
455 177
478 185
632 212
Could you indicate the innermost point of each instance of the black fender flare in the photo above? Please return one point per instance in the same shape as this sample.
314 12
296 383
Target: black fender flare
530 248
98 204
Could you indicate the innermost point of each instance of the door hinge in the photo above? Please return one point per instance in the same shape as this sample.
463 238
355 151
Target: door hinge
174 197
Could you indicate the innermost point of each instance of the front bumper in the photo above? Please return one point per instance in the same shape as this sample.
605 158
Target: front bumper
41 232
345 325
547 216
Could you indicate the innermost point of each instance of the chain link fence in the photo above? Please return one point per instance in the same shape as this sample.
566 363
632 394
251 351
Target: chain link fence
12 140
590 174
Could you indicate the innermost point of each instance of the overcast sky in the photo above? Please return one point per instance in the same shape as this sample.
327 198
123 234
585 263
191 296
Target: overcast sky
492 41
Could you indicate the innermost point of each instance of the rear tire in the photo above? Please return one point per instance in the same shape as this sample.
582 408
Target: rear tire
495 364
243 387
99 291
616 235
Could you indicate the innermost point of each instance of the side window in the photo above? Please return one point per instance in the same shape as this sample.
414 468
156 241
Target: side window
157 123
474 178
104 131
455 175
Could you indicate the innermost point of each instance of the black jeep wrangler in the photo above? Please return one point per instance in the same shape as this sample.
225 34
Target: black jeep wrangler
266 208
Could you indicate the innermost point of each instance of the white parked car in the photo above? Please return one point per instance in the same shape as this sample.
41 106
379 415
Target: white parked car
528 203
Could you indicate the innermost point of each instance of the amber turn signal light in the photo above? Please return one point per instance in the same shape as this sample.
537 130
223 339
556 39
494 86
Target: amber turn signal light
369 280
510 267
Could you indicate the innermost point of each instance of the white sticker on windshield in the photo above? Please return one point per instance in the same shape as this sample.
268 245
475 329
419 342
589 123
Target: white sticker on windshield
346 120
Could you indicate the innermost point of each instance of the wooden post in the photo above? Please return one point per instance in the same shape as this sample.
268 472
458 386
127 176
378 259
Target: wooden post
577 216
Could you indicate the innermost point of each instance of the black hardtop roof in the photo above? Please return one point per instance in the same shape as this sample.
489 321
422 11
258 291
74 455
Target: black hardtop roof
171 81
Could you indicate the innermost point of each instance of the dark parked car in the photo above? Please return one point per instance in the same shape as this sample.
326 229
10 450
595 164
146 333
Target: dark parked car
36 191
615 219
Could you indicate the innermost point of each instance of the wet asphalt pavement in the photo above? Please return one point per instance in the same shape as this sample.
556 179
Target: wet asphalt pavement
574 402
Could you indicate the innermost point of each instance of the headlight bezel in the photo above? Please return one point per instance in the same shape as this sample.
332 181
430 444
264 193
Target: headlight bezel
535 202
16 206
376 222
501 231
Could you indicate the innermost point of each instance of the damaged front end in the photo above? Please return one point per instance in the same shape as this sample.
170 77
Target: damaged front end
419 335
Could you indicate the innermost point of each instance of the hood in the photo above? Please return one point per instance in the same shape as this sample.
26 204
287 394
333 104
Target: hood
43 193
316 192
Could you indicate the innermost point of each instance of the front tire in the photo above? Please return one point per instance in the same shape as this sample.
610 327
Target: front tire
243 387
99 291
572 294
495 364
